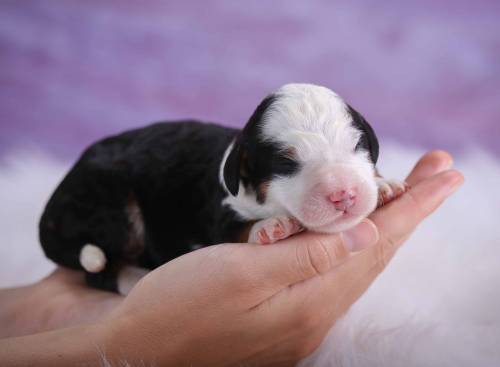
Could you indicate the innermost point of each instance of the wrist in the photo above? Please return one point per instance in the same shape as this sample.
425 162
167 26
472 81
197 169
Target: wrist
70 346
136 342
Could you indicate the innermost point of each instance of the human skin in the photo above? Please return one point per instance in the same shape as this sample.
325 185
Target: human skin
224 305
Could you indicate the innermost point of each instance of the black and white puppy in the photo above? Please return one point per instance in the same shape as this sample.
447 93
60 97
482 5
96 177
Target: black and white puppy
305 159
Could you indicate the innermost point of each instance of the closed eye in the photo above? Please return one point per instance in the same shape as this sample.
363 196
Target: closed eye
283 165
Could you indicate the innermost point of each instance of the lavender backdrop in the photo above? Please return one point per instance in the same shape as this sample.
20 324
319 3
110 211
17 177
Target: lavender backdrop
425 73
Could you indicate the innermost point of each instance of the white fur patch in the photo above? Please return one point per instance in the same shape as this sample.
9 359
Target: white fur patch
221 167
92 258
246 206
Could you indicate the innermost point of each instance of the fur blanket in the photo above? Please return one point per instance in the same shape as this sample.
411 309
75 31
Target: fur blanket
437 303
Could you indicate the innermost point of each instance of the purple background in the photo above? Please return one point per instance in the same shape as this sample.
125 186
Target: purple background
425 73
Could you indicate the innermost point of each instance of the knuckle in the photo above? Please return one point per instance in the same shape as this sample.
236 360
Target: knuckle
317 257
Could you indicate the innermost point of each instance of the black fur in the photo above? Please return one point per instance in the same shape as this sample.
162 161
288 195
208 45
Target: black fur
368 140
171 169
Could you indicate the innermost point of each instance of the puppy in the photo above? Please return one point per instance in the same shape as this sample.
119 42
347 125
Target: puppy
304 160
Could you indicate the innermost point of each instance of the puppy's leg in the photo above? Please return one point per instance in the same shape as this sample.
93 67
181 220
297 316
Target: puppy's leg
128 277
389 190
116 278
105 279
99 273
273 229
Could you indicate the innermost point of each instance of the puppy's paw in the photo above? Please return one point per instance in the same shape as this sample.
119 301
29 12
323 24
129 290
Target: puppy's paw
270 230
389 190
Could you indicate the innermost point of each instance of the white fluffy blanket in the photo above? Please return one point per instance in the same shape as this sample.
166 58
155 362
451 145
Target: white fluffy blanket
437 304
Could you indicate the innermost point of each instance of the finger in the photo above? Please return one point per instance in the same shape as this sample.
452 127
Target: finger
349 283
430 164
397 219
272 268
321 300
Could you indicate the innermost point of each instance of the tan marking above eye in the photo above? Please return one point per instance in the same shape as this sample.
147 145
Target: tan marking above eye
264 186
262 191
291 152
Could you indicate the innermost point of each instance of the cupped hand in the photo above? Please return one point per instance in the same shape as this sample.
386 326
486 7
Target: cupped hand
241 304
59 300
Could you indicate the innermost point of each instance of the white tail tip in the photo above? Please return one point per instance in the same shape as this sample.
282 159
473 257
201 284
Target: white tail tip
92 258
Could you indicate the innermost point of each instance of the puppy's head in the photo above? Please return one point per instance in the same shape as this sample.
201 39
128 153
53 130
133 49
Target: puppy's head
305 153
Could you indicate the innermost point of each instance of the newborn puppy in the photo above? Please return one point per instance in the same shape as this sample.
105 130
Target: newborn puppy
305 159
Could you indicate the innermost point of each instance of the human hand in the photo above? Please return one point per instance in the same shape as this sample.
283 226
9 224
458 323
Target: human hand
241 304
59 300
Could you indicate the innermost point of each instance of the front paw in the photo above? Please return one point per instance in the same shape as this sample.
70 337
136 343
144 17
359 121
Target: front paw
388 190
270 230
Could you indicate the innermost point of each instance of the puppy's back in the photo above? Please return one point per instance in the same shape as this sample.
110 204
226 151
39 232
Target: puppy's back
157 167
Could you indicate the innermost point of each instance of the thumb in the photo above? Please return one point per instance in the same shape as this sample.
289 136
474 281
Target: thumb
306 255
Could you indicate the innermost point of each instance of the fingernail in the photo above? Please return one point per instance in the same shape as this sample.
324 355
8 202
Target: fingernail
364 235
447 164
455 180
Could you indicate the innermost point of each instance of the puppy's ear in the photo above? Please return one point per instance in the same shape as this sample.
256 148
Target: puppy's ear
238 162
368 140
232 168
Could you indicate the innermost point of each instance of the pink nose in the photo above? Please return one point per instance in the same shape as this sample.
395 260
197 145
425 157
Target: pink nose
343 199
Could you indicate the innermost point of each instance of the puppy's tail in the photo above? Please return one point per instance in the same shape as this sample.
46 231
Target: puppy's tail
92 258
